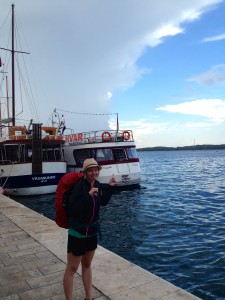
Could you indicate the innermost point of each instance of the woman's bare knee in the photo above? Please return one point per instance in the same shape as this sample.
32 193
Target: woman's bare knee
73 263
87 259
72 269
85 264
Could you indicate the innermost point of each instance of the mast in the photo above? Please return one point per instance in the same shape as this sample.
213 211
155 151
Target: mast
13 70
13 51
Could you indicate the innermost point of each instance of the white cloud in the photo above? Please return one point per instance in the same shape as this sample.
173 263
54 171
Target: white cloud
195 125
212 77
214 109
156 38
109 94
83 49
214 38
150 132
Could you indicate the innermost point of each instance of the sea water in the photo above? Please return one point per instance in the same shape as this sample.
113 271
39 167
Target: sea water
174 224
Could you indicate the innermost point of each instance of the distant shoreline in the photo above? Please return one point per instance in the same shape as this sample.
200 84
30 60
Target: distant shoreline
194 147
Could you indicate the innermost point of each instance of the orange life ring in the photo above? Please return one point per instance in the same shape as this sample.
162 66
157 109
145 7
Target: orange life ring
126 135
106 136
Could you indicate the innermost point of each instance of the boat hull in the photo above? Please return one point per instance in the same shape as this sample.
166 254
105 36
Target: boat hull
18 179
31 191
123 178
127 172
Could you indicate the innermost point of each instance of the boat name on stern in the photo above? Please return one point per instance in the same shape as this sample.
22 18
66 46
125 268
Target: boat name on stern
43 178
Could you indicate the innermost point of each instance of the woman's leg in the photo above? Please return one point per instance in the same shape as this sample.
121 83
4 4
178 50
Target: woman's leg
86 273
71 268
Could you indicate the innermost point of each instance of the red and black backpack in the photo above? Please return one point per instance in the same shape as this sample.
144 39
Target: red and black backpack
64 185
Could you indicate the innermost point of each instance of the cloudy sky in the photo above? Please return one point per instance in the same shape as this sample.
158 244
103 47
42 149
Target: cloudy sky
159 65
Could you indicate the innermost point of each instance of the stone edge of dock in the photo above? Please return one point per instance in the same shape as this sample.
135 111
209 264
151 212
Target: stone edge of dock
114 277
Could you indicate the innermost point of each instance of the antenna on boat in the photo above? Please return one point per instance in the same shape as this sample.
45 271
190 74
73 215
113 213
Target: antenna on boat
117 122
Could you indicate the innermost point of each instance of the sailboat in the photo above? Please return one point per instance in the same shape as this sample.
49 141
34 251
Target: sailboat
31 156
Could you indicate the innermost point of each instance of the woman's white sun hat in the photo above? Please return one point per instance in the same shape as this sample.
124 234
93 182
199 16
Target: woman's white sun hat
90 163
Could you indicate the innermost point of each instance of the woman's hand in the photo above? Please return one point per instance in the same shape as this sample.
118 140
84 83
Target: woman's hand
93 191
112 180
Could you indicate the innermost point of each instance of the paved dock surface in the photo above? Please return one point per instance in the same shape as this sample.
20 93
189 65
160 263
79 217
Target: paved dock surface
33 256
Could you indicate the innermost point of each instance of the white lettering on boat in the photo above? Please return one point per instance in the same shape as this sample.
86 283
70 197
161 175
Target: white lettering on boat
125 177
43 178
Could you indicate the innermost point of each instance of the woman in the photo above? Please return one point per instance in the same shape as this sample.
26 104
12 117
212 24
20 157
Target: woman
84 204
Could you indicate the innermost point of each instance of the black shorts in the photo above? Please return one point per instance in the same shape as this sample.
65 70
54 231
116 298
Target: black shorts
78 246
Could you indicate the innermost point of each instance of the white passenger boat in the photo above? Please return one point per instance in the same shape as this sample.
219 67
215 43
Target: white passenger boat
114 150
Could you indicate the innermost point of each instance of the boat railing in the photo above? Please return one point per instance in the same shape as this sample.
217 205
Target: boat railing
21 133
29 137
101 136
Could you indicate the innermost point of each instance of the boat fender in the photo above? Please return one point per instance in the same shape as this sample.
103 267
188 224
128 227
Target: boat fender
106 136
126 135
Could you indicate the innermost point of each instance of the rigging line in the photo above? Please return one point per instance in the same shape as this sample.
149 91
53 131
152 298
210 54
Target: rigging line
6 58
49 120
8 175
7 55
20 34
5 20
4 77
21 94
22 120
35 89
16 34
3 109
15 51
88 114
28 89
22 81
5 65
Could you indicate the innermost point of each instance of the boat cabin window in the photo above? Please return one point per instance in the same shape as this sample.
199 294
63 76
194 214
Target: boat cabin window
29 153
2 154
81 155
132 153
10 153
104 154
51 154
119 154
58 154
